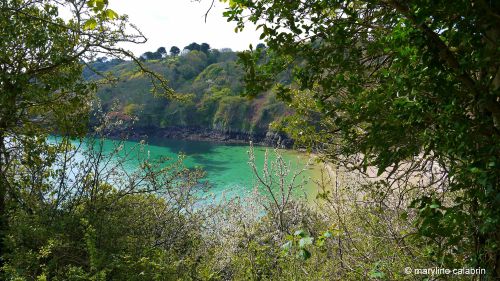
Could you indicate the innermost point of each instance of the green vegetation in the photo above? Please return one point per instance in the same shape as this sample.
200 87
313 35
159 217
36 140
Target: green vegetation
42 89
210 80
151 228
410 88
401 98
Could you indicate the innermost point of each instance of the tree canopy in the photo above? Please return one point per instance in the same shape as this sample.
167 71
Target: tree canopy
204 47
162 51
408 89
387 83
42 57
174 51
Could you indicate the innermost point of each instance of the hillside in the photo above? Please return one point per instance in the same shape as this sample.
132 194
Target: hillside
211 79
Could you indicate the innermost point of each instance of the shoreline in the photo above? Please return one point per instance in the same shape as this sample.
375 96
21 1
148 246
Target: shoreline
270 139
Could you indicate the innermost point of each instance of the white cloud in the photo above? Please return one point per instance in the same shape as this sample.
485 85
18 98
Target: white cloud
180 22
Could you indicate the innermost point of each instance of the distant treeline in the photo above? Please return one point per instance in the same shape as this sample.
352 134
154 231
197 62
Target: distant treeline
211 79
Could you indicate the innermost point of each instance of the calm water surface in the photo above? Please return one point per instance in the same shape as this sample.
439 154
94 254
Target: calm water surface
226 165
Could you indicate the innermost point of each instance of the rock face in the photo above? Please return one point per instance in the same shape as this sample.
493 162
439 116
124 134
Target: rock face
272 139
277 139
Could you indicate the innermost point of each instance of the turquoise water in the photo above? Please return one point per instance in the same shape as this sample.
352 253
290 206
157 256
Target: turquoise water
226 165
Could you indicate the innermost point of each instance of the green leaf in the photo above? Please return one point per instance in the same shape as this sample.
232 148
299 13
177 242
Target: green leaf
305 241
99 4
304 254
377 274
327 234
300 233
110 14
475 170
90 24
320 242
404 216
287 246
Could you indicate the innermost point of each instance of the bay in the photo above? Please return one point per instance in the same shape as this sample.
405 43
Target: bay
226 166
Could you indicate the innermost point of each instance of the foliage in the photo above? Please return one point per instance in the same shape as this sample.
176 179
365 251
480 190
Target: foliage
42 58
174 51
204 47
151 56
212 80
401 86
83 216
162 51
40 81
280 185
409 90
348 235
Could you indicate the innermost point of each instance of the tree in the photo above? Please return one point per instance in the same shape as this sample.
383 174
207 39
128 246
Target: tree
148 55
260 46
407 87
162 51
213 56
205 48
43 90
152 55
174 51
193 47
75 220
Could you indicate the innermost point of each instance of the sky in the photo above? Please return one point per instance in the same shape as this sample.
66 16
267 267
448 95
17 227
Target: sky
168 23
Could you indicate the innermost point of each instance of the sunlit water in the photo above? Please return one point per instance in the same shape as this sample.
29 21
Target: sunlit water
226 165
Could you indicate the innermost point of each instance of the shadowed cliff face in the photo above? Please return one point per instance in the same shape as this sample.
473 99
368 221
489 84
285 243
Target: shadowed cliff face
270 138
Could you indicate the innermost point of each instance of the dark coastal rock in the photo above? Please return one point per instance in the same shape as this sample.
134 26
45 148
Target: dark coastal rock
272 139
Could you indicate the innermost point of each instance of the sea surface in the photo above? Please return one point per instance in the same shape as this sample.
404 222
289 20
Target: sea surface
226 166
